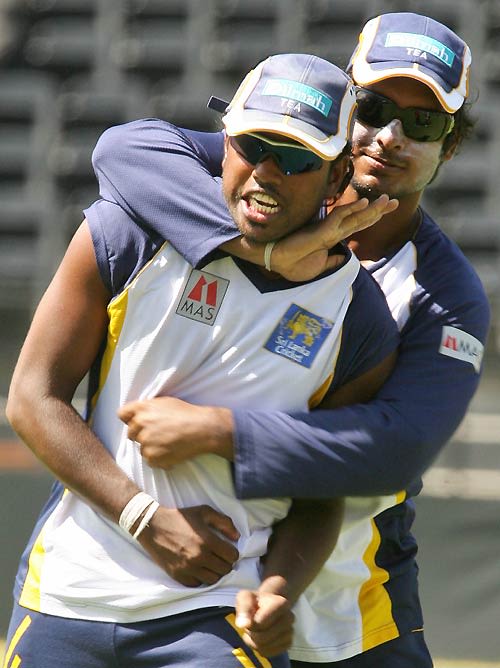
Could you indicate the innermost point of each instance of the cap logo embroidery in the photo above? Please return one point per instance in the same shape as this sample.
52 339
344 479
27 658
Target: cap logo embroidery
421 43
293 90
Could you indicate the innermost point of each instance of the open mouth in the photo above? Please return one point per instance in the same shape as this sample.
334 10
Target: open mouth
262 203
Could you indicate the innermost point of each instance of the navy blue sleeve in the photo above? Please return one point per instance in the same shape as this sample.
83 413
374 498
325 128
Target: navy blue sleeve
384 446
121 247
148 168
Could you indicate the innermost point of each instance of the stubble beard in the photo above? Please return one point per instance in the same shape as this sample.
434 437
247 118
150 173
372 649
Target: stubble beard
363 190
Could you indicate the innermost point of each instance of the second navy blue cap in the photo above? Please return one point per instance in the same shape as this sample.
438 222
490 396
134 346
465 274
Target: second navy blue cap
403 44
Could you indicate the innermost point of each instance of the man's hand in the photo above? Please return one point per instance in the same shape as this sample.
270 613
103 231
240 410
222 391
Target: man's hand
304 254
265 616
191 544
170 430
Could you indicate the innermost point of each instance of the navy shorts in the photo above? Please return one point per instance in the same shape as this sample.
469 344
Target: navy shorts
408 651
189 640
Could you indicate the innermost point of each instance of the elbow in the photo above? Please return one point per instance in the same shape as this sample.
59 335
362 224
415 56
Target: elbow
20 406
14 411
410 460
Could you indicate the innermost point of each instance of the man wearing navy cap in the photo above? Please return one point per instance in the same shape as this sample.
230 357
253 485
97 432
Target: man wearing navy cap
103 580
412 74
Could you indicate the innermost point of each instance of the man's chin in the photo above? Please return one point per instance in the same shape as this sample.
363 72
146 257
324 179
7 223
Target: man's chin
370 191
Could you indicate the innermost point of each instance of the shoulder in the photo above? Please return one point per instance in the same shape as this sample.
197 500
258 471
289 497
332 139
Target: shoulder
443 263
368 295
155 135
368 310
446 277
121 246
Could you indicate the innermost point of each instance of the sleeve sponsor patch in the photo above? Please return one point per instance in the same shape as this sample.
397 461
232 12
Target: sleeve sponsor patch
462 346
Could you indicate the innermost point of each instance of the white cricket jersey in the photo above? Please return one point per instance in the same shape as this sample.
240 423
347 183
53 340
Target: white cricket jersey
347 610
208 337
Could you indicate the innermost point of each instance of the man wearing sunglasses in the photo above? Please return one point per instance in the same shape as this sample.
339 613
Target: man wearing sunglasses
412 75
103 579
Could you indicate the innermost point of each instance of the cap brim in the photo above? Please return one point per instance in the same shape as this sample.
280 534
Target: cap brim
364 74
239 122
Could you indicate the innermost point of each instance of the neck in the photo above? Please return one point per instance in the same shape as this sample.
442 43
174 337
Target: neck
390 233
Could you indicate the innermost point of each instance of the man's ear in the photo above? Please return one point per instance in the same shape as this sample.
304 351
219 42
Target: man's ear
449 152
341 172
450 145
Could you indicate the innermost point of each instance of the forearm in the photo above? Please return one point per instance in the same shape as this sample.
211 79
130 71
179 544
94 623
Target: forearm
63 442
300 545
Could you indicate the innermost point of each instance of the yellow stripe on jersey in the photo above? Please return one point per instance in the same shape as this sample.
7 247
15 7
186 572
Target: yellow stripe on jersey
239 653
30 595
374 602
117 310
318 396
400 497
20 631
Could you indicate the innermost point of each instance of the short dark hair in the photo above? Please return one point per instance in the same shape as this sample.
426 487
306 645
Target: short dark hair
463 128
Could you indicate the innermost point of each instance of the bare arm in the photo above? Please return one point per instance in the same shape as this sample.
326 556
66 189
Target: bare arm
300 545
62 343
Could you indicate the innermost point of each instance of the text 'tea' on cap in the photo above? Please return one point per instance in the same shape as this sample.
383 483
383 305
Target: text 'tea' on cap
411 45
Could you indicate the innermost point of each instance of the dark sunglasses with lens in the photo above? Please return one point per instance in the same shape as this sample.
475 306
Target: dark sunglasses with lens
290 159
418 124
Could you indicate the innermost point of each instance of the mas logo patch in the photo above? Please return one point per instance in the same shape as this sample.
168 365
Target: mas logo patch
202 297
299 336
462 346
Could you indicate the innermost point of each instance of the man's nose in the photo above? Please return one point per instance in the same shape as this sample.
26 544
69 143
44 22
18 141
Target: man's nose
267 170
391 136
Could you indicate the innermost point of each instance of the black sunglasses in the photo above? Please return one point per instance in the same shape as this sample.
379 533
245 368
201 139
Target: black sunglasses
290 159
418 124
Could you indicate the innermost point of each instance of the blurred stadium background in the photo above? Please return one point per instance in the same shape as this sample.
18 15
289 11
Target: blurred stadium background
71 68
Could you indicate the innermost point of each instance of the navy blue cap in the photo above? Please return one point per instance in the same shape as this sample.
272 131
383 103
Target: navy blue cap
300 96
411 45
